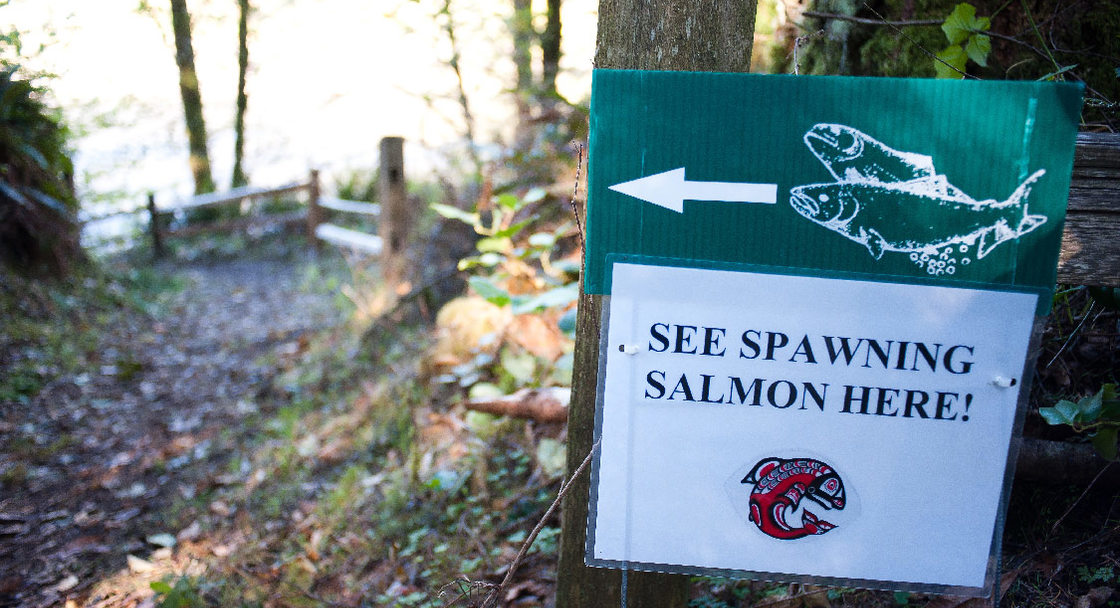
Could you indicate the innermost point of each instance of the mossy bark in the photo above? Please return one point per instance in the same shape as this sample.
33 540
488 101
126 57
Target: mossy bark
192 98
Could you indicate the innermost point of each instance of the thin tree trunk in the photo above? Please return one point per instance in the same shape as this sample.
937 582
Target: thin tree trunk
550 51
522 28
192 98
239 177
701 35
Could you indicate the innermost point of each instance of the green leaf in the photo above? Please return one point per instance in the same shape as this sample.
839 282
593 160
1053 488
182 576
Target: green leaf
513 229
454 213
552 456
962 23
494 245
1054 416
160 587
1089 408
488 290
534 195
1105 442
955 57
1068 409
978 48
956 24
509 201
558 297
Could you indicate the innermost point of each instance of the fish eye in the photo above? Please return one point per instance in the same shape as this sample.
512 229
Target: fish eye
823 198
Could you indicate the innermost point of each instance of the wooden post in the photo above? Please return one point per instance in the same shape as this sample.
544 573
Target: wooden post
396 216
314 213
698 35
153 226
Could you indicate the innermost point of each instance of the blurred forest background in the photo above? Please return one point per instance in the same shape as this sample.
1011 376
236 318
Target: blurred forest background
246 422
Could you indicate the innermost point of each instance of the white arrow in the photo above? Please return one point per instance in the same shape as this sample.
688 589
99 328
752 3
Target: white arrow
670 190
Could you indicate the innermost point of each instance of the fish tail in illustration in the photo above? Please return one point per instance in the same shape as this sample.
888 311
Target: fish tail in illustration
1022 225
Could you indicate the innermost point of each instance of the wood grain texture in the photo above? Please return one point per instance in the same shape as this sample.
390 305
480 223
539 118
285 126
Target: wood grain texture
1091 240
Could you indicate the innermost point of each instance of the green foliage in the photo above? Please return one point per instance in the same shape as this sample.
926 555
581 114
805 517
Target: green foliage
962 27
37 201
1098 415
180 595
508 250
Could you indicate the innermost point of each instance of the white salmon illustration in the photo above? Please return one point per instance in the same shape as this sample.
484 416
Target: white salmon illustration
888 200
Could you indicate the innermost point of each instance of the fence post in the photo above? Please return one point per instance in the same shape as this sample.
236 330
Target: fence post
396 216
314 213
153 226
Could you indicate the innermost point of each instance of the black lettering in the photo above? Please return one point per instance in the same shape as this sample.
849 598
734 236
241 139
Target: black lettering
737 389
900 362
711 341
914 401
804 349
662 338
807 389
930 358
945 406
965 367
791 394
751 344
705 388
685 340
849 399
656 384
882 355
682 387
845 349
885 401
774 341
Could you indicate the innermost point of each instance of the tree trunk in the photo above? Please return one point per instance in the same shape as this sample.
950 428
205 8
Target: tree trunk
700 35
239 177
192 98
550 51
521 27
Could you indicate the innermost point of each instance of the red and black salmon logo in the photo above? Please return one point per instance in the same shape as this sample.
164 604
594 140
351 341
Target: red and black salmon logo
779 486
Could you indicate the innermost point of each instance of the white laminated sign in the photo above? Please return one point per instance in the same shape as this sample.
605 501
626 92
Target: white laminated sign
805 427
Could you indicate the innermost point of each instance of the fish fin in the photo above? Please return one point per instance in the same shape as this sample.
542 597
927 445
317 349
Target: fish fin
761 469
875 244
1030 222
1024 190
992 237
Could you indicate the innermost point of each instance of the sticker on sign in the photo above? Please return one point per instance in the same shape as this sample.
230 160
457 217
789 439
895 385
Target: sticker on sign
777 425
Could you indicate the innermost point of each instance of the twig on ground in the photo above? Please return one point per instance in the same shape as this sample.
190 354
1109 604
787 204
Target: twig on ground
496 594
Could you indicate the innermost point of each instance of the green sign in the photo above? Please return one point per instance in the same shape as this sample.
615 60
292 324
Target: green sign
928 180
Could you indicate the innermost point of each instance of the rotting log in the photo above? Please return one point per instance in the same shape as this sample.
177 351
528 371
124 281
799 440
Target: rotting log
542 405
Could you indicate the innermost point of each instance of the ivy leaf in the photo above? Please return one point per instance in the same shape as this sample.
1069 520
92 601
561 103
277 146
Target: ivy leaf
955 57
1062 413
1090 408
1105 442
978 48
489 291
963 22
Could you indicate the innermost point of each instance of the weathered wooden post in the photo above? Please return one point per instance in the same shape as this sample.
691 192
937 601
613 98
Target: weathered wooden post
697 35
314 212
396 216
153 226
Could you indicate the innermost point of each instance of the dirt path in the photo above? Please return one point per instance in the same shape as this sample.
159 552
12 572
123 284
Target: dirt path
155 422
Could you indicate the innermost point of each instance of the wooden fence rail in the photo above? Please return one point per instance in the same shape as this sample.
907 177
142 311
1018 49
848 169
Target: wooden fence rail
396 224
